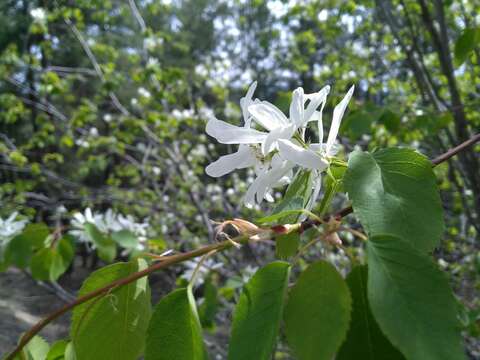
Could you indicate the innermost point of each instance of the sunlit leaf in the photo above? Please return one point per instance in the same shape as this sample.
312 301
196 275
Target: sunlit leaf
175 331
394 191
112 326
412 301
257 316
317 313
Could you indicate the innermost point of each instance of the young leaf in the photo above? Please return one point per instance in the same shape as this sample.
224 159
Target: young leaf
296 197
125 238
394 191
122 315
175 331
57 351
258 313
364 340
20 249
36 349
106 248
412 301
51 262
287 245
208 309
284 213
317 313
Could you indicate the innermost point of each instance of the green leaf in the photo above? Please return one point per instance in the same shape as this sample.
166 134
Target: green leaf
18 252
258 313
57 351
357 123
296 196
20 249
36 349
208 309
394 191
175 331
287 245
391 120
364 340
112 326
106 248
125 238
50 263
317 313
412 301
284 213
465 44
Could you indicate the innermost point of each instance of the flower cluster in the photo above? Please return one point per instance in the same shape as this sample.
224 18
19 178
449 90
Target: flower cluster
274 145
107 222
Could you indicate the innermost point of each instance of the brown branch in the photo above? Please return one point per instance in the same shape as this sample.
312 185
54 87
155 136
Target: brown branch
175 259
454 151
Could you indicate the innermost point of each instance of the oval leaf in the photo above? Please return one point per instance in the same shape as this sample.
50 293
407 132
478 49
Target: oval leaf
258 313
175 331
394 191
125 238
364 340
113 326
49 263
106 248
318 312
412 301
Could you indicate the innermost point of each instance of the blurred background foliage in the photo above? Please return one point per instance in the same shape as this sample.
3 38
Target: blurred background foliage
104 104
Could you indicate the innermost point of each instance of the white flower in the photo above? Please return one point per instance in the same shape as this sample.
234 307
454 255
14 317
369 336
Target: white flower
225 133
38 14
307 157
276 151
144 92
108 222
10 227
279 173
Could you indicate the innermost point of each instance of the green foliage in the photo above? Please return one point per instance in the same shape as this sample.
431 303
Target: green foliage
174 331
36 349
424 323
121 314
296 196
364 339
125 238
466 43
258 313
21 248
211 303
106 248
287 245
319 299
57 351
394 191
52 261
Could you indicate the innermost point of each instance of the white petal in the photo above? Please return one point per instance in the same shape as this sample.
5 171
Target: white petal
270 143
316 190
315 100
272 177
226 133
303 157
244 157
296 107
246 101
268 115
337 119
